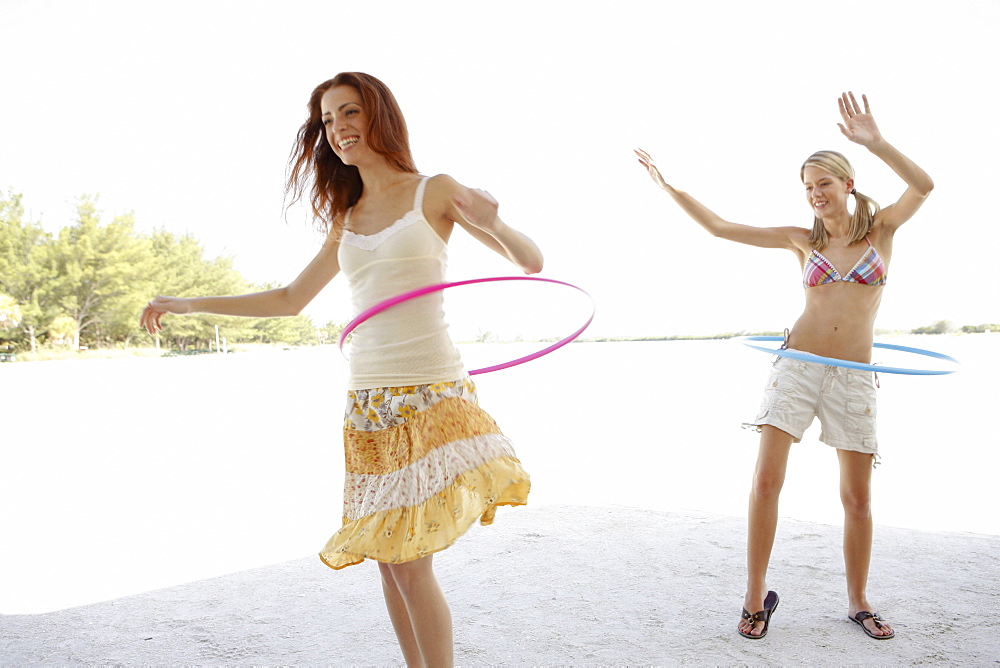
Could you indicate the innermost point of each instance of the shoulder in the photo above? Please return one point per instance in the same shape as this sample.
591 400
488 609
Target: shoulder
439 193
442 185
439 209
330 247
797 237
798 241
333 237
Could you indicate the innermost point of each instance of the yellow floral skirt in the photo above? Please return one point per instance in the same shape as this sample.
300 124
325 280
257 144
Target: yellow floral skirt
423 464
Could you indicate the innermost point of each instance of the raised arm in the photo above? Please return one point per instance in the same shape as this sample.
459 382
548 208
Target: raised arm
286 301
477 213
859 127
791 238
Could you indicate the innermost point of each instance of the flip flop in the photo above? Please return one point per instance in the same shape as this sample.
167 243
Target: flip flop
860 618
770 605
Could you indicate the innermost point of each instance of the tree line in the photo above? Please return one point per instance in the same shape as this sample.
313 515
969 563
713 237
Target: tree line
85 286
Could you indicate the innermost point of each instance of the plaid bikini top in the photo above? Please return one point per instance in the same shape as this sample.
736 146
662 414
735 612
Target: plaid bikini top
869 270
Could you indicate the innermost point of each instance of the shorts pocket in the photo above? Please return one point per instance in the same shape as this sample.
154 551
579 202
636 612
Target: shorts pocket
782 387
774 401
860 417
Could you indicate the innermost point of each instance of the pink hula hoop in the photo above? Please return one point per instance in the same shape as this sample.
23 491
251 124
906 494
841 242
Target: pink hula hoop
420 292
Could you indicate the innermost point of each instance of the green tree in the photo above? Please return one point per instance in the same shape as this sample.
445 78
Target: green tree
10 312
296 330
940 327
330 332
101 272
979 329
62 331
25 271
88 284
179 269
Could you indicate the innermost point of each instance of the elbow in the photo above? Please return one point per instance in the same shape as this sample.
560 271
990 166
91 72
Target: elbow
534 266
290 306
927 187
294 308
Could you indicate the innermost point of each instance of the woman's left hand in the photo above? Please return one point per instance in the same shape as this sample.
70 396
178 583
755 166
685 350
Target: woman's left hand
478 208
858 126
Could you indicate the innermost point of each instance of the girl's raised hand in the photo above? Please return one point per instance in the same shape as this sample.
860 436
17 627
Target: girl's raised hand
858 126
646 160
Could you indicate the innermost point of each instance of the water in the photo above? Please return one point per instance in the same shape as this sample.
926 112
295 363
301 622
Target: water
121 476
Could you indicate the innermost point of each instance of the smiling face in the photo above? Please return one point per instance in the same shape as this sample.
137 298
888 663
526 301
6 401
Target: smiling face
826 193
345 122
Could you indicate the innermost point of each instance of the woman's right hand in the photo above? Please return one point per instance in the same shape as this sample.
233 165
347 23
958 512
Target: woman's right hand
646 160
150 318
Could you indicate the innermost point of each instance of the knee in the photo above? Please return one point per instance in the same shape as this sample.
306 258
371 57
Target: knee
857 504
766 485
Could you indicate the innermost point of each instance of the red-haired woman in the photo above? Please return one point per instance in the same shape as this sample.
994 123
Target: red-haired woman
424 462
845 261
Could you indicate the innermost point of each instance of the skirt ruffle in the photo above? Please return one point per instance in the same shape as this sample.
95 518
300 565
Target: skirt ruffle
423 464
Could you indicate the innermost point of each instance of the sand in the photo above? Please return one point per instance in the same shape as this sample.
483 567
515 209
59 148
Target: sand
561 585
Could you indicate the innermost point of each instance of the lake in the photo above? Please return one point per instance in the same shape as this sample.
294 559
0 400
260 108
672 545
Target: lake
121 476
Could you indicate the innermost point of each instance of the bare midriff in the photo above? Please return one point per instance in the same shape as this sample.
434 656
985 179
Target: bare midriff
838 321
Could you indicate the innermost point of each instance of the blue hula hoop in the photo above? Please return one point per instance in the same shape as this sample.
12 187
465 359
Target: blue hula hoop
848 364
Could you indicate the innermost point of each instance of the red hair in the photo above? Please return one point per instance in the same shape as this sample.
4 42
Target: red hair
333 186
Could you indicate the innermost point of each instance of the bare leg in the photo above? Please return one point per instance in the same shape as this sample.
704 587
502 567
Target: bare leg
420 615
768 478
400 618
855 494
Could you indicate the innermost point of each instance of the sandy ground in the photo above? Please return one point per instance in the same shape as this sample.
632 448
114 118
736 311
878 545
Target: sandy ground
561 585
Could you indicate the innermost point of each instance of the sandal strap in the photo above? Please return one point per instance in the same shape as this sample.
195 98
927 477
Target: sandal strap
874 616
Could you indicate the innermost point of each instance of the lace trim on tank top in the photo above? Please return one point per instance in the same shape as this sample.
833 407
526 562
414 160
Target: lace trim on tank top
372 241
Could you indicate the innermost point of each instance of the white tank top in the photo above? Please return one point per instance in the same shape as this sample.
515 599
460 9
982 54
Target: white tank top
407 344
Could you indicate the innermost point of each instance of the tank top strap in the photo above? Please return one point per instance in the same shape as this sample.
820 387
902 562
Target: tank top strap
418 197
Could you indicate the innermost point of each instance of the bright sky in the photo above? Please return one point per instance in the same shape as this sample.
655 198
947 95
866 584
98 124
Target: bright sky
185 113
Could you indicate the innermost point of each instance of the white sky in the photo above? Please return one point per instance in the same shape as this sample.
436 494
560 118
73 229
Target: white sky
185 112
